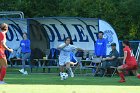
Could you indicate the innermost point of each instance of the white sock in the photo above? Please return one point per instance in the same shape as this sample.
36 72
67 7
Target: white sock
60 73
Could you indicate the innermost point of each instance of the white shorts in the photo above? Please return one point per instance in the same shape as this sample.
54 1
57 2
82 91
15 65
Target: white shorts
63 60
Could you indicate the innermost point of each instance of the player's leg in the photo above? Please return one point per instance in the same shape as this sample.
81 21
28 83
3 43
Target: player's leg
25 58
61 69
69 69
73 63
3 64
135 72
61 65
73 60
22 70
121 74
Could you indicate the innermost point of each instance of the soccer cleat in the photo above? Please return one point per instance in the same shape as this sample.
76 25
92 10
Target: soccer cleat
2 82
21 71
121 81
25 73
138 76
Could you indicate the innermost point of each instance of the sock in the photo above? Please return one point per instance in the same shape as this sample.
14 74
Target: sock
60 73
2 73
138 76
121 75
0 76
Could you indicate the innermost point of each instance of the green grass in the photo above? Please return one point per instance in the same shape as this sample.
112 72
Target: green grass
51 83
48 79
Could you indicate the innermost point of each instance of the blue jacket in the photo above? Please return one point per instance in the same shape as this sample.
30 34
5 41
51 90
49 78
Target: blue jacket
100 47
25 46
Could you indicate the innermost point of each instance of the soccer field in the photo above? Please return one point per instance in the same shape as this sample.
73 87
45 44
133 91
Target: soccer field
47 83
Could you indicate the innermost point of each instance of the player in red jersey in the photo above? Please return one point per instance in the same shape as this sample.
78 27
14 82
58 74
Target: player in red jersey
129 62
3 47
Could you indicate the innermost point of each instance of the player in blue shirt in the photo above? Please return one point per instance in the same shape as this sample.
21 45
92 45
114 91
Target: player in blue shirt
100 45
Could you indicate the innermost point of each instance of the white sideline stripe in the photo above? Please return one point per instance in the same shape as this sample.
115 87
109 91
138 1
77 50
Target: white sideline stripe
68 89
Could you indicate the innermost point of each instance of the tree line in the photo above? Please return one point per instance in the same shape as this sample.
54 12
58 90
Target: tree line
123 15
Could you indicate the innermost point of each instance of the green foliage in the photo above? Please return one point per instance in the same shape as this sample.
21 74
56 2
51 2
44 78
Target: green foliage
122 14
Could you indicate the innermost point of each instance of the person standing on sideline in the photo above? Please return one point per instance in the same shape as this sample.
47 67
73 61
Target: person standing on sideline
129 62
64 59
25 52
3 47
100 46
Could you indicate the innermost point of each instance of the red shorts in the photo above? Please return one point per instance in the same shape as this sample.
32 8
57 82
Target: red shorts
130 67
2 54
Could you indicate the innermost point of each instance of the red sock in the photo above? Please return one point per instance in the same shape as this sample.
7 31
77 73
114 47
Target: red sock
138 76
0 76
121 75
2 73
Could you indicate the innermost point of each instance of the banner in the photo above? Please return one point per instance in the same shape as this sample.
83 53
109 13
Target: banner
46 33
16 27
109 34
82 31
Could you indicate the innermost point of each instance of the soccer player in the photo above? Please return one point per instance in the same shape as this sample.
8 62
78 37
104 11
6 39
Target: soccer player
64 59
129 62
3 47
25 52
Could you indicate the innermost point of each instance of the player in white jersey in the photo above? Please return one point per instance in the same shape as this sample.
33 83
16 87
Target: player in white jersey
64 59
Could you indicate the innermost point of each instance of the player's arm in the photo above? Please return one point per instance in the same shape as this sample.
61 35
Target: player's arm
5 46
62 46
125 55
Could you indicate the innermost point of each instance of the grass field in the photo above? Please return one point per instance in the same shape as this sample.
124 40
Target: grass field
51 83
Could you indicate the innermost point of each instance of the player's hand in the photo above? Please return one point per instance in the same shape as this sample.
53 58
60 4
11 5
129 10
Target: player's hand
11 50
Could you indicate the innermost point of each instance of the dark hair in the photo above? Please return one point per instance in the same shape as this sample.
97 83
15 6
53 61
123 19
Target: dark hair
101 32
3 26
126 42
24 33
113 44
71 42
